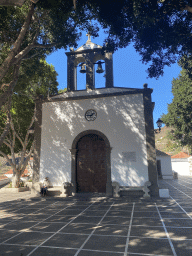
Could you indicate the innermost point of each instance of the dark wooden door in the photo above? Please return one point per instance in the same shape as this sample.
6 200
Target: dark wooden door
91 164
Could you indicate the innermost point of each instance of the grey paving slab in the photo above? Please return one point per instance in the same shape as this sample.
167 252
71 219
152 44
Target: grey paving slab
60 218
106 243
80 228
149 246
36 217
145 214
66 240
178 222
29 238
149 232
115 230
45 251
173 215
180 233
116 220
19 225
12 250
6 234
183 247
95 213
147 222
86 219
99 253
47 227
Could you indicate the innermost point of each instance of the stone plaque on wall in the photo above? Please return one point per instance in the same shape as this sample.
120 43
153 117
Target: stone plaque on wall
129 157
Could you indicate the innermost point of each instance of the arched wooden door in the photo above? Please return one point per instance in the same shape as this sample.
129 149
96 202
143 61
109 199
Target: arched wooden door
91 164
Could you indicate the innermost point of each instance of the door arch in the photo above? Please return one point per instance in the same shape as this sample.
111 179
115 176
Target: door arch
91 142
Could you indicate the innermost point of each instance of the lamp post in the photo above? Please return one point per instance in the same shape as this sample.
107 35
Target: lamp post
159 123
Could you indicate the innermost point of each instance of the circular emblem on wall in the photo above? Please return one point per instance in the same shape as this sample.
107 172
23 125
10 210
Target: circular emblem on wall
90 115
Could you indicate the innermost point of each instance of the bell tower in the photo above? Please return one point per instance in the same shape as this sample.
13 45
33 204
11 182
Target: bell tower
87 56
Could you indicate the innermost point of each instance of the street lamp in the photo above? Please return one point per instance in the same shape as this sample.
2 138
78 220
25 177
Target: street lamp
159 123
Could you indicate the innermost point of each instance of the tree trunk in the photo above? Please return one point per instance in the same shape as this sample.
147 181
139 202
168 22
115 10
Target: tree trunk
16 179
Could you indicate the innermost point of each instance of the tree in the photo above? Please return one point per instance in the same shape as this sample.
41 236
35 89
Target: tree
160 30
14 2
180 110
37 78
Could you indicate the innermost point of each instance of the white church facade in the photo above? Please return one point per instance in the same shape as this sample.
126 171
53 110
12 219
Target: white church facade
94 137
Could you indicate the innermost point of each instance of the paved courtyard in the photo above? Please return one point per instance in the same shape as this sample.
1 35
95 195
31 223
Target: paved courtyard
98 226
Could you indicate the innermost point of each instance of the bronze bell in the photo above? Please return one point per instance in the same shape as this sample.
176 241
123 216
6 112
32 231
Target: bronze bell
99 68
83 69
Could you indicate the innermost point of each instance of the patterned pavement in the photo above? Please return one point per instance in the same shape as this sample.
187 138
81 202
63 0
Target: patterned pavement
98 226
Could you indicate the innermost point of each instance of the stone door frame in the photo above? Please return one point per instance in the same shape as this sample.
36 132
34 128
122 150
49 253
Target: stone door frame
73 151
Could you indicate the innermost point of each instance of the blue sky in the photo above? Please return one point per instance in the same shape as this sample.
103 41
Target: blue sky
128 72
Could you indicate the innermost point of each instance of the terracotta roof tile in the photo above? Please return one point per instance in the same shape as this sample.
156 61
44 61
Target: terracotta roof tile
181 155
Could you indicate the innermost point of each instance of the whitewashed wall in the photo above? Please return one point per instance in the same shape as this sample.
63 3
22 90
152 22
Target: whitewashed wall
120 119
181 166
166 168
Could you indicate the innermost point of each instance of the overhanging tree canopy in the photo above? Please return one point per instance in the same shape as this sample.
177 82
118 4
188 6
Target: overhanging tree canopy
180 110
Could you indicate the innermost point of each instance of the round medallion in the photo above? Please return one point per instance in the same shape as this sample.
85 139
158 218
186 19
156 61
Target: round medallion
90 115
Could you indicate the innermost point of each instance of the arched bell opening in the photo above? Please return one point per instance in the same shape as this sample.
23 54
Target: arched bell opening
100 75
80 74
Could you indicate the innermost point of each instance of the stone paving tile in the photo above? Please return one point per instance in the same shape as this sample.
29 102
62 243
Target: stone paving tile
29 238
81 228
116 220
145 214
6 234
147 222
178 222
173 215
183 247
119 213
99 253
106 243
36 217
150 232
99 207
13 250
149 246
20 225
26 210
46 251
115 230
70 212
48 211
94 213
170 209
58 218
180 233
66 240
47 227
86 219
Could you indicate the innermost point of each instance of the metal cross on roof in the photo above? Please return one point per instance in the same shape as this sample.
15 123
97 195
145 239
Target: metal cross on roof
89 36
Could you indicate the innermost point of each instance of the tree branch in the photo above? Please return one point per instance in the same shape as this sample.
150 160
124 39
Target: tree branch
7 126
18 3
45 45
27 158
8 160
188 8
6 94
8 61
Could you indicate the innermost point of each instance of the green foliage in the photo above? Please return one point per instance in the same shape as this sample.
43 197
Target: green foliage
180 110
160 30
62 90
37 78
